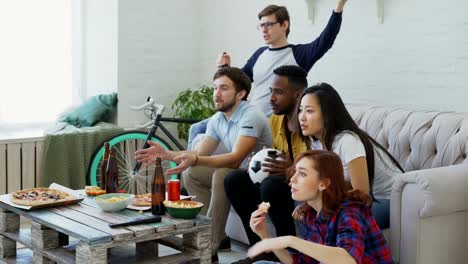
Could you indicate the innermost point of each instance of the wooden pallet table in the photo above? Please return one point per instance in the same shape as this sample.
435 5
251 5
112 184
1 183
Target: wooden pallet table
51 228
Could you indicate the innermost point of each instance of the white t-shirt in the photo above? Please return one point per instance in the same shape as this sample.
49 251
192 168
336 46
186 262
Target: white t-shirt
349 146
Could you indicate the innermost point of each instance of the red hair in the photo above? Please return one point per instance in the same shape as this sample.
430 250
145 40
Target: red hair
328 164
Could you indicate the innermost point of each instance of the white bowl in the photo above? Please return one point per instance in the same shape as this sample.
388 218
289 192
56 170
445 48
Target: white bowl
108 206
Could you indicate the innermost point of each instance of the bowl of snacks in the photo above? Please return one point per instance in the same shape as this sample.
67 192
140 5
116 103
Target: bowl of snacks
113 202
183 209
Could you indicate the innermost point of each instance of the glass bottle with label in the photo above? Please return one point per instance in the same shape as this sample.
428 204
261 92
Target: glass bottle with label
105 159
112 173
158 190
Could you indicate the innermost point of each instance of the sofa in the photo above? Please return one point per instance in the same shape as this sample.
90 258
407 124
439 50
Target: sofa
429 202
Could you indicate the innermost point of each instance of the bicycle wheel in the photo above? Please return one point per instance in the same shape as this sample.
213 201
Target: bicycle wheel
125 145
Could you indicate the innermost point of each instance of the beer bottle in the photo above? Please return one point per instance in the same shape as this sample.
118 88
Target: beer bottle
105 159
158 190
112 173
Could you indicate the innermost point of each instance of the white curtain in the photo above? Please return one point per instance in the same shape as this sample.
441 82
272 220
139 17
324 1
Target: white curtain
37 81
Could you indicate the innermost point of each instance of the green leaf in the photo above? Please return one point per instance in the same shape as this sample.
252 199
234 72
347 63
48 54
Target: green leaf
193 104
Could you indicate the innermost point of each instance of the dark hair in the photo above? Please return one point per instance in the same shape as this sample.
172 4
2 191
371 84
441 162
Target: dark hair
297 77
238 77
280 12
337 119
328 165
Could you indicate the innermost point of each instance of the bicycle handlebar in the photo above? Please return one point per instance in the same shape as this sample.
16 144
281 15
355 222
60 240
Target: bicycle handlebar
158 108
143 106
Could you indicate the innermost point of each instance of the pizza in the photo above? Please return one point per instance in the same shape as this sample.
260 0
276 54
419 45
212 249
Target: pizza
39 196
142 199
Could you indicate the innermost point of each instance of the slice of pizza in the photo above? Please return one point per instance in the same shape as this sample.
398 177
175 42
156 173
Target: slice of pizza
39 196
142 200
264 206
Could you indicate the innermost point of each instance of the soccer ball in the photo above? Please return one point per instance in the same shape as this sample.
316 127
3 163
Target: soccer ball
256 172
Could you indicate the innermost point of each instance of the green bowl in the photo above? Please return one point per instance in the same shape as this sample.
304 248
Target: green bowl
184 213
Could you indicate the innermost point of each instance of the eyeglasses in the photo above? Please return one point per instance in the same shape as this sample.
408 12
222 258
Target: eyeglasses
267 25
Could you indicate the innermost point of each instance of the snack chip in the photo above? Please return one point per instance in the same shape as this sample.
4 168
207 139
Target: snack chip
264 206
180 204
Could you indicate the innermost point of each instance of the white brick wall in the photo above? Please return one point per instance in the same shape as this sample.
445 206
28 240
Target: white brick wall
99 46
158 52
418 57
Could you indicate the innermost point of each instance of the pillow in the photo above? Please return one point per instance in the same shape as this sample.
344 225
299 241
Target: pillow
96 109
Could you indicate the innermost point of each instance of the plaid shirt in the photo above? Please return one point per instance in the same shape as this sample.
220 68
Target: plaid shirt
353 228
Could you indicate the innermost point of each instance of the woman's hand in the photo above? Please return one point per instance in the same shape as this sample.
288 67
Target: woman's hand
258 223
299 212
268 245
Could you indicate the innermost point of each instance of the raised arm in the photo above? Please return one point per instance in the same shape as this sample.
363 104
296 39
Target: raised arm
308 54
340 6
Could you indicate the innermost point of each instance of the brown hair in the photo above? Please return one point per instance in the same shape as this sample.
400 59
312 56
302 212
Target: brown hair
238 77
337 119
280 12
329 166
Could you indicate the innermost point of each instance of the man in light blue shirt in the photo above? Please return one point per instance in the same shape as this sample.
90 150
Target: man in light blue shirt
240 127
244 122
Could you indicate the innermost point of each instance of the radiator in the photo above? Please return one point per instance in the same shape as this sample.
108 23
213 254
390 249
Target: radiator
20 163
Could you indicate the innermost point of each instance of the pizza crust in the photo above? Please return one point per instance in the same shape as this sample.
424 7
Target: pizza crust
39 196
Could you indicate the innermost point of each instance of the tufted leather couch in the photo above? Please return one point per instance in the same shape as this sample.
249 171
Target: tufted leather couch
429 203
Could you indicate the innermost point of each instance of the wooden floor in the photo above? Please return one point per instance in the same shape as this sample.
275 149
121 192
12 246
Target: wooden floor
126 254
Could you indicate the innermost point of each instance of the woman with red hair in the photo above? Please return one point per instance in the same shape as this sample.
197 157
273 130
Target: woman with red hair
339 225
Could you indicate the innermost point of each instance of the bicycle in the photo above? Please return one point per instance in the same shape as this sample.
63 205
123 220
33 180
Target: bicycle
132 177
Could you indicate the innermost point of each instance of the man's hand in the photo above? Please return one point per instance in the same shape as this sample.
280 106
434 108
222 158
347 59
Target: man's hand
340 6
184 160
148 155
278 166
223 59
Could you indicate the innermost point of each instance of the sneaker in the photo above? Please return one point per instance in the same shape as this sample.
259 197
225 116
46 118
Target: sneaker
225 245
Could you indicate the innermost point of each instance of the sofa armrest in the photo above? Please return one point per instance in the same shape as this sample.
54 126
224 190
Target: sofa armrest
418 195
445 189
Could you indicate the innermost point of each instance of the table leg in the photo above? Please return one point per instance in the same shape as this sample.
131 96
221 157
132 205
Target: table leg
201 241
7 247
88 254
9 222
38 258
43 237
147 248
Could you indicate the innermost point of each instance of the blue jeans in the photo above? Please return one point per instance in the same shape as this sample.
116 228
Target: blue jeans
381 211
195 129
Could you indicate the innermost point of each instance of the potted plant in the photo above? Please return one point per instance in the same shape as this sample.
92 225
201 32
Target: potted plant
193 104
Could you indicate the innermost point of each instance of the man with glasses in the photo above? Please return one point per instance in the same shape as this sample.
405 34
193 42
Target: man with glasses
274 26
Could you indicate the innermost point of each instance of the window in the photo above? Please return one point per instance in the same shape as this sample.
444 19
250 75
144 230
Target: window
35 60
